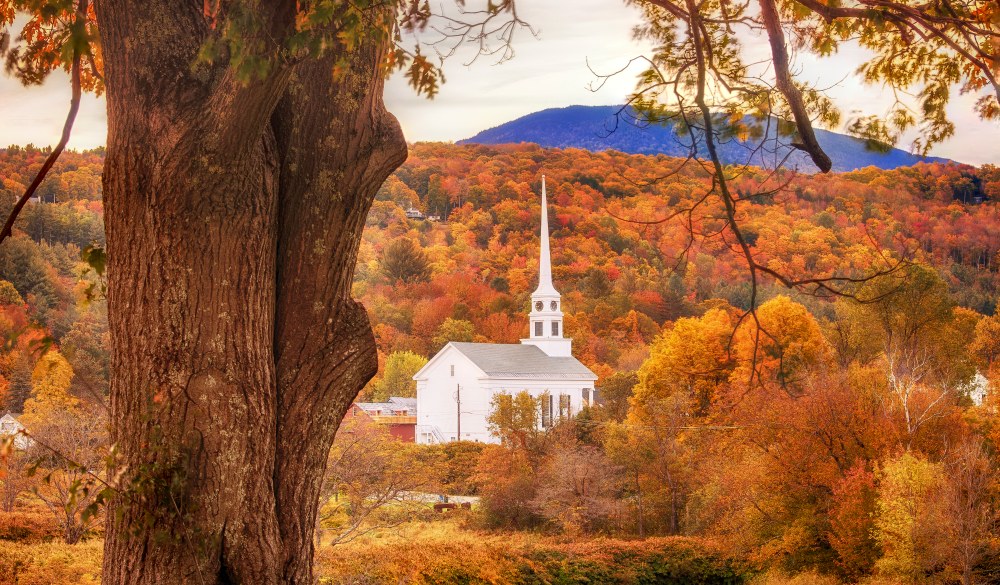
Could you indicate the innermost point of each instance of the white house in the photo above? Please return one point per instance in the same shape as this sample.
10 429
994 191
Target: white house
9 425
456 387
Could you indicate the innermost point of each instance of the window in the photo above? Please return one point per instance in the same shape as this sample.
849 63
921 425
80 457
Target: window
546 400
555 328
586 396
564 406
452 371
538 328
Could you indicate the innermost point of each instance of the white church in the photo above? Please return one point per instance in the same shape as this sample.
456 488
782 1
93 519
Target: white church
456 387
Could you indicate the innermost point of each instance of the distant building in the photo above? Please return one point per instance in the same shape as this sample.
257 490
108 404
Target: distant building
9 425
977 389
456 387
398 415
413 213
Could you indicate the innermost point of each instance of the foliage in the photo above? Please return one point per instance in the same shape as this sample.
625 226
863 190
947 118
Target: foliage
440 554
54 562
514 419
50 384
577 486
404 261
507 486
69 452
457 461
852 533
9 294
28 524
909 518
784 472
396 378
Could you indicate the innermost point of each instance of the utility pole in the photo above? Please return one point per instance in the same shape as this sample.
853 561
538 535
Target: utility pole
458 412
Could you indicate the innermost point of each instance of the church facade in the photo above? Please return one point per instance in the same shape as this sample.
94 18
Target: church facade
455 389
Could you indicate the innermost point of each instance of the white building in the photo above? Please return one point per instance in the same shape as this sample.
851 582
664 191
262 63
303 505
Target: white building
9 425
456 387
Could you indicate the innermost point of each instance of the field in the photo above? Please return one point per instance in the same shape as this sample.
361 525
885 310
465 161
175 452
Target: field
443 551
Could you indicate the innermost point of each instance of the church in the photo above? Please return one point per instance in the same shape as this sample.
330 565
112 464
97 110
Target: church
456 387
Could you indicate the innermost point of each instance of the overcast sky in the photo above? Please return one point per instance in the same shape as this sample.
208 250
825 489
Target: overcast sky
547 72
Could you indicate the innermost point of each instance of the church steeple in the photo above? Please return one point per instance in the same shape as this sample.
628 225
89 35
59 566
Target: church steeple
546 318
545 257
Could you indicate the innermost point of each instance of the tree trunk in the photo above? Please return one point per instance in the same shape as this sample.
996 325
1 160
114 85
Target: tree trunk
233 214
337 144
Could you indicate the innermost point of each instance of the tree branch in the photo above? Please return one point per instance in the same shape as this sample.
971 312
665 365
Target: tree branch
783 78
79 28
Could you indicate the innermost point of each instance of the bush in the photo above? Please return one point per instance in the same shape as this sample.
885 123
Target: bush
48 563
28 526
444 555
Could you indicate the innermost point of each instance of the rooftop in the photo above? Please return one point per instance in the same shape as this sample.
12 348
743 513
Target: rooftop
403 406
514 360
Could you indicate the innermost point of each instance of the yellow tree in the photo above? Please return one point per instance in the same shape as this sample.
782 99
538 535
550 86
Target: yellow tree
779 346
50 383
677 386
910 518
692 358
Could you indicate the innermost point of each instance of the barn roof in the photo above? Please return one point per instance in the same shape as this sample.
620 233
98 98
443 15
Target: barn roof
395 404
510 360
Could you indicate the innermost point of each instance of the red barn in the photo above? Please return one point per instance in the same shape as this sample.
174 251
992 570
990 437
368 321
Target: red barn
399 415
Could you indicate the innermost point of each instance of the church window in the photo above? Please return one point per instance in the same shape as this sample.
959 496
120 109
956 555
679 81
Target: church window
538 329
553 305
546 410
586 396
564 406
555 328
453 371
538 305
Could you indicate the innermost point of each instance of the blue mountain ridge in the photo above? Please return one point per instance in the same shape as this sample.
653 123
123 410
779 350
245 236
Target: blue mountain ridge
595 128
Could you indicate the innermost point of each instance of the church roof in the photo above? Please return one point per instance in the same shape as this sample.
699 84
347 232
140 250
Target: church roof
508 360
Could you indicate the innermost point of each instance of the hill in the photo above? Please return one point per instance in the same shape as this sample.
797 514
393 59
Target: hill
596 128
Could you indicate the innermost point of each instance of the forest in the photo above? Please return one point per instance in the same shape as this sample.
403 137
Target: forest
855 440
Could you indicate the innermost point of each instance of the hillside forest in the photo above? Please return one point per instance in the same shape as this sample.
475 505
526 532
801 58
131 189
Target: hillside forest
826 439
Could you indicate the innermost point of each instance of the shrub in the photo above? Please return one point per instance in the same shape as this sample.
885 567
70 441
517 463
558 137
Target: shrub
28 526
48 563
442 555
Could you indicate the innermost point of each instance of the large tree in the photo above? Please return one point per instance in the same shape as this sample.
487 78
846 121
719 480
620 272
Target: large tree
245 143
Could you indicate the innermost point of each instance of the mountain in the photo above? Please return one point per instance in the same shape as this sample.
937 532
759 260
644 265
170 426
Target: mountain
596 128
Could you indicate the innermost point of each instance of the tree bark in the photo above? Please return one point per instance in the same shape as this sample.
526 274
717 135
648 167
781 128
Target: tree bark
233 214
337 145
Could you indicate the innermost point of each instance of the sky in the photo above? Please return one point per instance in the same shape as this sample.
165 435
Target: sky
547 71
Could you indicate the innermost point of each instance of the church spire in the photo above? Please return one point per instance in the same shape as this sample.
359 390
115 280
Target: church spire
546 318
545 257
